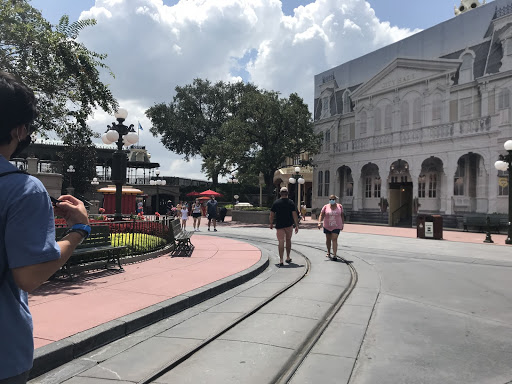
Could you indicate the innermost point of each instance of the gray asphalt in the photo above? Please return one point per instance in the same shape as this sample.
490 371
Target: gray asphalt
423 311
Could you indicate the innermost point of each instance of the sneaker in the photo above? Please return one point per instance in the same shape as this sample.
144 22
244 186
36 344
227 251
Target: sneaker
214 229
208 229
198 230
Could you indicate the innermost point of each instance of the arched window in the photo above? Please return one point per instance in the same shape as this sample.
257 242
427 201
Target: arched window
327 181
347 103
466 69
377 117
320 183
404 113
436 107
363 123
416 111
387 118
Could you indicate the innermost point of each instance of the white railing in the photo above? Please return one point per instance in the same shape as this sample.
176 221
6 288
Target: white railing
421 135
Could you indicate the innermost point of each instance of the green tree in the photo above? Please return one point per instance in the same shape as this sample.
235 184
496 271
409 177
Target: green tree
192 124
63 73
266 130
81 154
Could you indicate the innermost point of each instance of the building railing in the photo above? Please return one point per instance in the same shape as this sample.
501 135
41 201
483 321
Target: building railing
481 125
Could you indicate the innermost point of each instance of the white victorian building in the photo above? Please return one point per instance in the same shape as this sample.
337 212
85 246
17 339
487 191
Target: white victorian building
415 127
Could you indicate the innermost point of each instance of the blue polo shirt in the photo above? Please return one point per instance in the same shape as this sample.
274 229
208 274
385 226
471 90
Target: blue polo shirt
27 236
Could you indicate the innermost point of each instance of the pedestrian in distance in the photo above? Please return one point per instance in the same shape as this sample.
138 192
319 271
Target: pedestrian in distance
29 252
285 214
184 216
331 218
196 214
303 210
211 211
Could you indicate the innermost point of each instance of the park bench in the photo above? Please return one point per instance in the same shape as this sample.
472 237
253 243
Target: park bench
480 222
181 237
96 250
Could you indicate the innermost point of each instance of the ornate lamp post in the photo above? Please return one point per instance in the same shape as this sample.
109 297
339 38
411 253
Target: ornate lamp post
70 172
505 164
297 178
121 135
157 182
94 184
233 180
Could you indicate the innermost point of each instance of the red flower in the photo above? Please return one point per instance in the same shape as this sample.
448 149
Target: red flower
101 210
157 214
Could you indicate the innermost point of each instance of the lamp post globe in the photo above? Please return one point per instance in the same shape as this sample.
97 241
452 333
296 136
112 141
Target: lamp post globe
505 164
233 180
158 182
297 178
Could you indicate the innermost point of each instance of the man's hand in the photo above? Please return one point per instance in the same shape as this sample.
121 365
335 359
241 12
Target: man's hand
296 229
72 210
271 226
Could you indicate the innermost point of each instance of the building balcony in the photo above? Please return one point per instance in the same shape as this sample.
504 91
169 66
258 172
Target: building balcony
459 129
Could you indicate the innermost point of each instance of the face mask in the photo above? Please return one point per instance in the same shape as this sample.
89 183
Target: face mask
22 144
332 202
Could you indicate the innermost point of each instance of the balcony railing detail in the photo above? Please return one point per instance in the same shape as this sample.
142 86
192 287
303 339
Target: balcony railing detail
478 126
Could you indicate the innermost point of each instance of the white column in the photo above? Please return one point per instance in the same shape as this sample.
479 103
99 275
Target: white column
492 184
447 187
356 176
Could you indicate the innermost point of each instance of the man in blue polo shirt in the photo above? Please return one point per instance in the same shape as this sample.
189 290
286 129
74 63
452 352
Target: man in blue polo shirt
29 254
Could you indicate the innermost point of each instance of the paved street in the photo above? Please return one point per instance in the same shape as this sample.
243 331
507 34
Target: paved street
423 311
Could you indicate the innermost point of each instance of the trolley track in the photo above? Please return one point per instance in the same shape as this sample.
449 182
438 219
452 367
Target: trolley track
292 365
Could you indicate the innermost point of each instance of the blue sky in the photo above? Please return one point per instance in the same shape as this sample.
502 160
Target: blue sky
153 45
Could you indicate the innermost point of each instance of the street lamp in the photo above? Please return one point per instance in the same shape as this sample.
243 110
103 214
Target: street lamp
121 135
94 183
70 172
505 164
233 180
297 178
157 182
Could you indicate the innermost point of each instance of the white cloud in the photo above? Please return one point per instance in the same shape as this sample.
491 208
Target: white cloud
152 48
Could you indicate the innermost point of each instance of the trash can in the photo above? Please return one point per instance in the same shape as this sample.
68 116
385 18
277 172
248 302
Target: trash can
429 227
420 226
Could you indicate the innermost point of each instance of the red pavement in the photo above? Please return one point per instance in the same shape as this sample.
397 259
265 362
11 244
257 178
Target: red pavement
62 309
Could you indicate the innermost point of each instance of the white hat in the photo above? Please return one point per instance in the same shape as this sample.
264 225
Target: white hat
284 189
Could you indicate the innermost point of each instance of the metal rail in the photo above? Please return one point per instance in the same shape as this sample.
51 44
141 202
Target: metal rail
293 364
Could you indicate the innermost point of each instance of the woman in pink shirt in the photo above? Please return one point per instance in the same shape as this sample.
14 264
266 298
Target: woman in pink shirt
332 217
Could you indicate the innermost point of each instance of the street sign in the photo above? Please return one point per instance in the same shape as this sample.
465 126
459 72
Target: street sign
503 182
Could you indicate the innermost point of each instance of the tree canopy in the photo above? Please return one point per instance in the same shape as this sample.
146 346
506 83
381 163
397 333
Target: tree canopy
267 130
191 124
63 73
234 126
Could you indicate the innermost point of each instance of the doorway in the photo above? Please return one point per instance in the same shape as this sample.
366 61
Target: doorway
400 204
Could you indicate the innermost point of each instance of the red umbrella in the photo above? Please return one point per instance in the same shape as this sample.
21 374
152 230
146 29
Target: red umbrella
193 194
210 193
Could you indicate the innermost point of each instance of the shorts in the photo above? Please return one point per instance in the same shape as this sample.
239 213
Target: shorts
196 215
336 231
212 217
284 233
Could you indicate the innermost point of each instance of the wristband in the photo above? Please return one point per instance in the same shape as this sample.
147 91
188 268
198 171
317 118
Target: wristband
83 229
